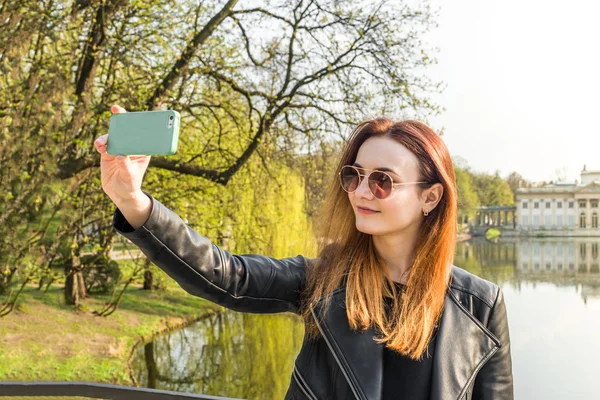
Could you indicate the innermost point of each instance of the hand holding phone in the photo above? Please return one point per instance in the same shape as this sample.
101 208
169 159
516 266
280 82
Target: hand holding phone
121 175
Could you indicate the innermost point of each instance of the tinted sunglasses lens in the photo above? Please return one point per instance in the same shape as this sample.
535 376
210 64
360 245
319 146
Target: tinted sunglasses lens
349 178
380 184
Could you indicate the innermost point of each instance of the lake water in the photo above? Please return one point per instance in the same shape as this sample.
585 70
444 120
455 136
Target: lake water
552 293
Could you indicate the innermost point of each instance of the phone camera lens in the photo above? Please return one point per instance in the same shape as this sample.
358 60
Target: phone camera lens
171 118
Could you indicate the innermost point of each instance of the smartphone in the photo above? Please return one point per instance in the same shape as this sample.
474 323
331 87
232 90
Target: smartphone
143 133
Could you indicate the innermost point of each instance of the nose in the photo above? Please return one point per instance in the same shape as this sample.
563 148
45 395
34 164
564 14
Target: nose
363 191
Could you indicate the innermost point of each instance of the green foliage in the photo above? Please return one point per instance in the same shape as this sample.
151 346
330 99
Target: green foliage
492 190
494 261
482 189
492 234
160 280
317 168
250 105
85 347
100 275
224 347
468 199
259 211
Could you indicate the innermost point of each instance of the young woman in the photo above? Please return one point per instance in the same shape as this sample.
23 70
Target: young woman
387 314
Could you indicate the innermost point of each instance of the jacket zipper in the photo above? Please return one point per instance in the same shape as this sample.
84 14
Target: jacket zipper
465 391
477 369
331 348
302 384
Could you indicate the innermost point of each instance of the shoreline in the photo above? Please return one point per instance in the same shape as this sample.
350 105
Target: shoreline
463 237
168 328
45 340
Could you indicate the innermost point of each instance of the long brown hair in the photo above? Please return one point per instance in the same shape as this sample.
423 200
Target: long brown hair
348 256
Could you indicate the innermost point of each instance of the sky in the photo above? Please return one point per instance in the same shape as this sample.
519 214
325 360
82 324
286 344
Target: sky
522 79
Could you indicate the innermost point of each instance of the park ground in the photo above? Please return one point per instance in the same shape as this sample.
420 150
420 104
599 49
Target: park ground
46 340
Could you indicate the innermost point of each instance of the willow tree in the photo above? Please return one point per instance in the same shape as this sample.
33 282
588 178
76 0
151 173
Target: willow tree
250 80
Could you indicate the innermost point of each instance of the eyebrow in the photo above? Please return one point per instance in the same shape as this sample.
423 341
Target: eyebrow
385 169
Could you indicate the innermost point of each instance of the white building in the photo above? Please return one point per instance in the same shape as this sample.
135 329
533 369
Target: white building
561 209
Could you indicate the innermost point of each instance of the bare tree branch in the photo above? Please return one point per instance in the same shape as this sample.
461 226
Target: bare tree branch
94 44
320 68
184 59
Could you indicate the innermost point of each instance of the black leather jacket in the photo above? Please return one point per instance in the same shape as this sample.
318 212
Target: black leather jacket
472 356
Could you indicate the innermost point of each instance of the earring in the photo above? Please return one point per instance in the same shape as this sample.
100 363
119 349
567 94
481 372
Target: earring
425 212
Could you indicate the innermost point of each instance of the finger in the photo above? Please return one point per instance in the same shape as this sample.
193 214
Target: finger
100 145
102 140
104 153
116 109
101 149
105 156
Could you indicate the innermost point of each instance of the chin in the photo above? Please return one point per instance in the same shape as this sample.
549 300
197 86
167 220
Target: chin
380 228
369 229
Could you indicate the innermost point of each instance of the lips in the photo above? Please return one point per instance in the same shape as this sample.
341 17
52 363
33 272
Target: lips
366 209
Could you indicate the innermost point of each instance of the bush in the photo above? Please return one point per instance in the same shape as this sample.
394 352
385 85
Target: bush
492 234
100 275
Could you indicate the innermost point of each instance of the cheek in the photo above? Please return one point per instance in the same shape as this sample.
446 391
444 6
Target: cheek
401 208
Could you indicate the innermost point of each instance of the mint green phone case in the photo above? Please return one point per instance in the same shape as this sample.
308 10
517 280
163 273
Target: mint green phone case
143 133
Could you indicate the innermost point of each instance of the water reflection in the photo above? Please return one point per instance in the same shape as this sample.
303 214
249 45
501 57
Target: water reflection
563 262
552 291
229 354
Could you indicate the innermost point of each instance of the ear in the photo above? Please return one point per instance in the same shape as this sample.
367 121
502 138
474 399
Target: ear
431 196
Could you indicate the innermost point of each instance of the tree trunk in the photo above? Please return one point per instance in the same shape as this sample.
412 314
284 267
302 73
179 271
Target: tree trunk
148 279
151 365
75 290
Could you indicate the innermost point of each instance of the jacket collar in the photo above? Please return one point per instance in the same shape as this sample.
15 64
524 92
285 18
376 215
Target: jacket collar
460 337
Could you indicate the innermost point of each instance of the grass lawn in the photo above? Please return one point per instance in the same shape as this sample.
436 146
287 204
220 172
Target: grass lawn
45 340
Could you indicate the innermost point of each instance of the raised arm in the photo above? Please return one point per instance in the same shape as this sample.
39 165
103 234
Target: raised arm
250 283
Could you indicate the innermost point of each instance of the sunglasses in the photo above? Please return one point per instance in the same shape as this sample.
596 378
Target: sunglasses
380 183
